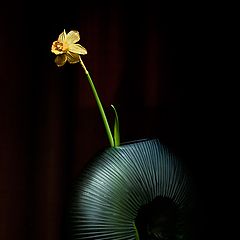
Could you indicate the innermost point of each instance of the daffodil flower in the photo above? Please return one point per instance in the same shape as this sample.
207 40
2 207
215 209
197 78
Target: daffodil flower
67 49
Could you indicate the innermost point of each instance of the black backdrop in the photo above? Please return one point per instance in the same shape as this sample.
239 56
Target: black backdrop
156 63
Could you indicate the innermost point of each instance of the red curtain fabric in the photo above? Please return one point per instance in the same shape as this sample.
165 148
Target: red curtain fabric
141 60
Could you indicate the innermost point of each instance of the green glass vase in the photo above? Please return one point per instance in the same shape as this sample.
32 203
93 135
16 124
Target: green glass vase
139 190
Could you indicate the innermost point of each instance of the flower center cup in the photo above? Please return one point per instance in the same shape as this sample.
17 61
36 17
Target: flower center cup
57 47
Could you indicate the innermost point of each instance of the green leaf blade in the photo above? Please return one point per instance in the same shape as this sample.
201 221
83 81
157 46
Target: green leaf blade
116 129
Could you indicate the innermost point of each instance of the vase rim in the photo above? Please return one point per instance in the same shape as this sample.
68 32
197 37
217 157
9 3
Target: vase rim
137 141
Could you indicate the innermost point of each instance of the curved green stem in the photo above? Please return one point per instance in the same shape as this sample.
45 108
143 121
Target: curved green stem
99 104
136 232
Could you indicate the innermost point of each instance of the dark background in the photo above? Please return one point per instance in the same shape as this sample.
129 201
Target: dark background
160 65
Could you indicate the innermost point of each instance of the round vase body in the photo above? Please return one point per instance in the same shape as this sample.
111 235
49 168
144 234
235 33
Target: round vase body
139 185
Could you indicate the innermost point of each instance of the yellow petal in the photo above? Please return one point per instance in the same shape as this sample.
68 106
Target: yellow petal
77 48
60 60
72 37
72 57
62 36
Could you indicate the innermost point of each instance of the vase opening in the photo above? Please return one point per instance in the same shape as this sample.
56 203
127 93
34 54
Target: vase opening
158 220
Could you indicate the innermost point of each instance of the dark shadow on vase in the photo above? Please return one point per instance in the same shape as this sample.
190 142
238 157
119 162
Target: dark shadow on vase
160 219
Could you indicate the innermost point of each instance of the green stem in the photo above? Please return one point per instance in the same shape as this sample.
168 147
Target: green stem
136 232
105 121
